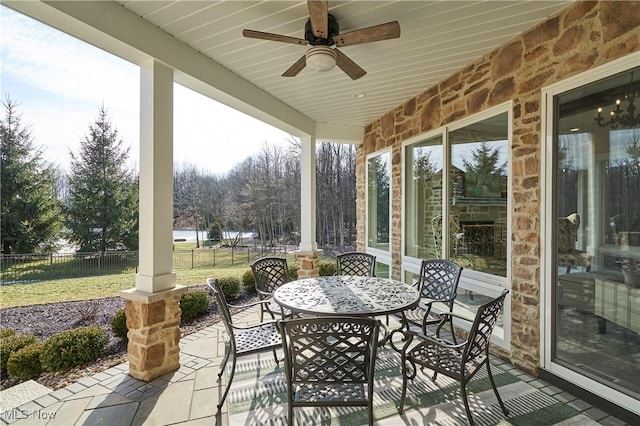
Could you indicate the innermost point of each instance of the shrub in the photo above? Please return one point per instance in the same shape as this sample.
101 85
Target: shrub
327 269
249 281
87 313
119 324
293 272
7 332
72 348
11 344
230 287
24 364
194 304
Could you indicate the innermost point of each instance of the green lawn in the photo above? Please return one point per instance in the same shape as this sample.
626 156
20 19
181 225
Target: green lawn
67 289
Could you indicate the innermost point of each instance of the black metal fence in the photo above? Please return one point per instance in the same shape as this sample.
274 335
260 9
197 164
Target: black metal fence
25 268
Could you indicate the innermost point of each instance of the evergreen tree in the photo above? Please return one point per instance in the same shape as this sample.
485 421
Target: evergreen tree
31 219
485 163
102 209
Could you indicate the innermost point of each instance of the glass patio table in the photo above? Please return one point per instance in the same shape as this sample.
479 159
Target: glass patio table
346 296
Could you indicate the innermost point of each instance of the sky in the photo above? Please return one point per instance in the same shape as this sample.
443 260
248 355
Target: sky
60 83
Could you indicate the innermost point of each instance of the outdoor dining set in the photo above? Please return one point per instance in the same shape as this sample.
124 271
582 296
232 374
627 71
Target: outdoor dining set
329 330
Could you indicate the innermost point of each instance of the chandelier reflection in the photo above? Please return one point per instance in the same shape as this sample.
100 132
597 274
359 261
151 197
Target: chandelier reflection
620 118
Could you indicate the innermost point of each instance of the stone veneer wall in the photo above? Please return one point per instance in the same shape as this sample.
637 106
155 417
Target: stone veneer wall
584 35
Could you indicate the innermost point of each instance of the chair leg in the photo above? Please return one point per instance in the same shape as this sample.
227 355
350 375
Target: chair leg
290 411
466 402
227 352
404 386
493 384
226 390
275 356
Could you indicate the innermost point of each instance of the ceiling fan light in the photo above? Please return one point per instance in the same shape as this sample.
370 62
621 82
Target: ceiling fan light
321 58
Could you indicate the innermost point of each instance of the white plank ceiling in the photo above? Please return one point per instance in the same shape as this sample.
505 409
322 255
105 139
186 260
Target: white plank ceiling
437 38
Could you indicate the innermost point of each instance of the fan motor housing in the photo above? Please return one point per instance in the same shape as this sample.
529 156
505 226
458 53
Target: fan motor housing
334 30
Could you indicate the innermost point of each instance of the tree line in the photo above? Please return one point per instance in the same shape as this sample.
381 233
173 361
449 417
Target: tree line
95 205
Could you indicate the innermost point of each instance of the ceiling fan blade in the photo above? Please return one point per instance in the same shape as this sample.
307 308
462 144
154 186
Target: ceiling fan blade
366 35
296 67
319 17
273 37
350 68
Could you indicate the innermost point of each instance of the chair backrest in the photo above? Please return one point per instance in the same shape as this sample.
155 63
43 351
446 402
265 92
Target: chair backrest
221 304
482 328
270 273
330 350
439 279
356 263
568 233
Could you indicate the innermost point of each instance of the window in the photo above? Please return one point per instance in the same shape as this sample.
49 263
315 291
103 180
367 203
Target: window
423 199
478 174
464 217
475 226
378 201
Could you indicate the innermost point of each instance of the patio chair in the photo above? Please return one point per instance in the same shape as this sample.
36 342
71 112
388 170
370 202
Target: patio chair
438 283
242 340
356 263
269 274
329 362
457 361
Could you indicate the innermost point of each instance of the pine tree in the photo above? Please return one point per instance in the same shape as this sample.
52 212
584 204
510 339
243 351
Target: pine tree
485 163
31 219
103 194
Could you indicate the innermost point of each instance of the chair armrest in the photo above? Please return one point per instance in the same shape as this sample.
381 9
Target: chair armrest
454 315
264 293
409 335
427 301
249 327
249 305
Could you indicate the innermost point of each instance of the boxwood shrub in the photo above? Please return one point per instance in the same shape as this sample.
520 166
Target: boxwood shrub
249 281
71 348
230 287
11 344
24 364
6 332
327 269
293 272
119 324
194 304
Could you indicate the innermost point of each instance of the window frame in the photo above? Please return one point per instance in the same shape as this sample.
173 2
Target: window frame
382 256
547 261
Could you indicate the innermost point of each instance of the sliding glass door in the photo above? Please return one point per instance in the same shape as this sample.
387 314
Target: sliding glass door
595 221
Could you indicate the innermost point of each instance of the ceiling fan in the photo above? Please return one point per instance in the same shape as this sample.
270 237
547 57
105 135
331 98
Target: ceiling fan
322 32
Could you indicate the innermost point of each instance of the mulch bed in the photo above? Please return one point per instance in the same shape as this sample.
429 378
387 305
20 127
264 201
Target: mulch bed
45 320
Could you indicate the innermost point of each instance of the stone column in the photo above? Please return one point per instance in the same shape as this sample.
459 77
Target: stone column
153 306
154 332
308 263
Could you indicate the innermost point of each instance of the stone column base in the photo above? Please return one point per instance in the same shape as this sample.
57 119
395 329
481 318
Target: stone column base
153 320
308 263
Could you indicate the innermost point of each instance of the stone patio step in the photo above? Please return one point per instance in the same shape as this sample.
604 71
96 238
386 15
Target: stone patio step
21 393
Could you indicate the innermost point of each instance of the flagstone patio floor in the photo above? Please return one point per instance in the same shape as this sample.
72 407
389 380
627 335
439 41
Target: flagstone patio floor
189 395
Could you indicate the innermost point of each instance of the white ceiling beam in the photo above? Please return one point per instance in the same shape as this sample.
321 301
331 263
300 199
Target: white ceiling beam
339 133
